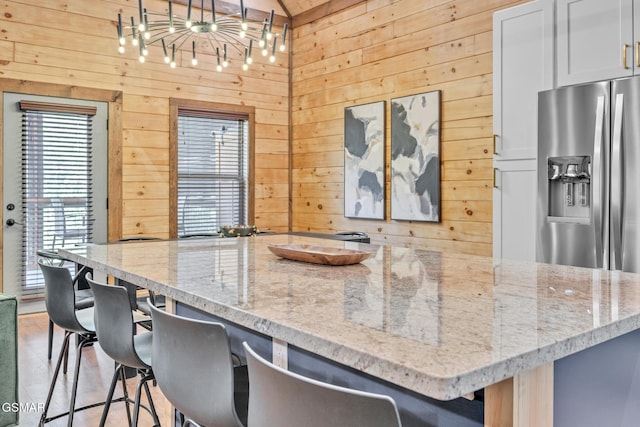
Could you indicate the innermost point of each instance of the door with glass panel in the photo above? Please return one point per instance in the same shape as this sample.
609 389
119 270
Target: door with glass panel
54 183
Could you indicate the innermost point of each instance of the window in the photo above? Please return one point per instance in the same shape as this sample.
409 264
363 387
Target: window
213 170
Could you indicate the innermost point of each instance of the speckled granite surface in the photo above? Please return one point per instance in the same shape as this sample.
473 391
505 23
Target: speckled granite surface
437 323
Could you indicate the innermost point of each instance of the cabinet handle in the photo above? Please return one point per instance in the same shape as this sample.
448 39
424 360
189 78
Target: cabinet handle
638 54
624 56
495 178
495 151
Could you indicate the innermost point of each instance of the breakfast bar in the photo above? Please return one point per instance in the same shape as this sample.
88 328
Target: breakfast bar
436 324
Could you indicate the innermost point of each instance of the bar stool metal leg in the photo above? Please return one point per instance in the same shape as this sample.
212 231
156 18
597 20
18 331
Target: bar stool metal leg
63 350
118 374
83 342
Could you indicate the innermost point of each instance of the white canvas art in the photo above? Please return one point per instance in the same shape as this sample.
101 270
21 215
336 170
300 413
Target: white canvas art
364 161
415 157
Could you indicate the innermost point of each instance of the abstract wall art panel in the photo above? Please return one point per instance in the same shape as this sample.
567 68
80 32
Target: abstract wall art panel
364 133
415 157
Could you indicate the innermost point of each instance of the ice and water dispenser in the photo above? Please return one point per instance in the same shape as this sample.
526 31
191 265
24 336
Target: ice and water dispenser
569 181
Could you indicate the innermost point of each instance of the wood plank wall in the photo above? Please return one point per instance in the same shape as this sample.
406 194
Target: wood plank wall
375 50
73 43
383 49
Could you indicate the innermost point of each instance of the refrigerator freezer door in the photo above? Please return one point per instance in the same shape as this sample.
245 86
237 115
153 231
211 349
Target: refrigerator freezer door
625 176
573 124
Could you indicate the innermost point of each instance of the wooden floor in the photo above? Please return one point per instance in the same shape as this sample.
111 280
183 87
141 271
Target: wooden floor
95 375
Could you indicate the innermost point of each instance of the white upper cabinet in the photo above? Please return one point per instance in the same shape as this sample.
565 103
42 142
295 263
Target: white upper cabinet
595 40
523 65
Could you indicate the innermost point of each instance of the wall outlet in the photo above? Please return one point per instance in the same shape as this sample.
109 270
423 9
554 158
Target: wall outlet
279 352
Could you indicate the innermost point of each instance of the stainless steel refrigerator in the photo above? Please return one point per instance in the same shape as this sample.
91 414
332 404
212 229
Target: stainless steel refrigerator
589 175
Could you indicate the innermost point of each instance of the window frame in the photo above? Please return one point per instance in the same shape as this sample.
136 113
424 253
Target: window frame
221 110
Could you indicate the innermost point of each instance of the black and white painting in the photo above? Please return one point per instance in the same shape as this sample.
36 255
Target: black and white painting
415 157
364 161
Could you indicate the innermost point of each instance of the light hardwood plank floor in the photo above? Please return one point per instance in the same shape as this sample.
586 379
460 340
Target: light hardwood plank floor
35 373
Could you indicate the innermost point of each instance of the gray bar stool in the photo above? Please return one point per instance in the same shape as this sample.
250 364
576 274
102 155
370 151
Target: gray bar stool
84 297
115 328
60 300
285 399
193 368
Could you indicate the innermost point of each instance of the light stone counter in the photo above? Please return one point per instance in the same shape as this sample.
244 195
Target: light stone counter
437 323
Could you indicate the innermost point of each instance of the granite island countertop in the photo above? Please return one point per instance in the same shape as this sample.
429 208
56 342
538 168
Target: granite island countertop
437 323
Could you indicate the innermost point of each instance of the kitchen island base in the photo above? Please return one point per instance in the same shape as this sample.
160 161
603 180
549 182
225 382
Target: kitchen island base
415 410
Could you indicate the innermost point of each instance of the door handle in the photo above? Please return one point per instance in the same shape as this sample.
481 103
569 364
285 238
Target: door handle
624 56
597 184
638 54
616 184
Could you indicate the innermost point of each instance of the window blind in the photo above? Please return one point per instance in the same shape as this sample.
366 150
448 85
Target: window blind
57 207
212 170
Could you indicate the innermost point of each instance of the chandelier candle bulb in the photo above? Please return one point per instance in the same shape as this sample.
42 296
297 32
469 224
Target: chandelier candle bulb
141 11
262 35
272 58
270 25
120 38
166 55
172 29
218 67
194 61
225 63
134 37
145 28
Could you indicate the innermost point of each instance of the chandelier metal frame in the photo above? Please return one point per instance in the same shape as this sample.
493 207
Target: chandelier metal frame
207 32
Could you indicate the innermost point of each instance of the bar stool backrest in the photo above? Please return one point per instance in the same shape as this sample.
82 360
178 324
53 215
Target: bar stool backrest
193 367
59 297
114 323
282 398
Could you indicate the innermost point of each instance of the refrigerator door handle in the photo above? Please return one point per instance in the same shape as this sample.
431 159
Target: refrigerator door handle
597 182
616 184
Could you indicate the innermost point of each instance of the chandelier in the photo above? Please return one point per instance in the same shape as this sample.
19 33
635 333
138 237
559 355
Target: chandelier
218 35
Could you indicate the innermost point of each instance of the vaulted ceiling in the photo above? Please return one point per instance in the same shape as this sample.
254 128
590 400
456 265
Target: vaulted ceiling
302 11
296 12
